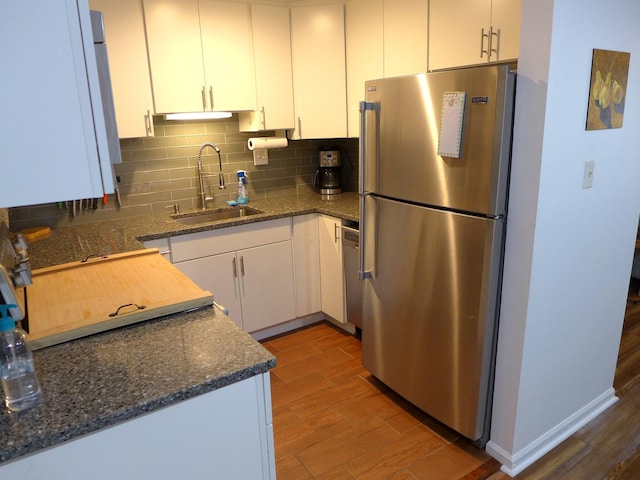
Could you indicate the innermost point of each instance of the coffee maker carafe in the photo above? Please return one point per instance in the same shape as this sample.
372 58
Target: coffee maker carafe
327 177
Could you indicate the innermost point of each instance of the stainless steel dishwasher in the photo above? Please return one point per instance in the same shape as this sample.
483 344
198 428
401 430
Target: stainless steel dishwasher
353 286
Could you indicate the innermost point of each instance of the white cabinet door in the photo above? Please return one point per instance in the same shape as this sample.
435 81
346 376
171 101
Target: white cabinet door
456 29
175 55
405 37
227 54
306 262
48 67
200 55
319 77
219 275
364 50
506 16
266 279
272 62
331 272
127 47
455 39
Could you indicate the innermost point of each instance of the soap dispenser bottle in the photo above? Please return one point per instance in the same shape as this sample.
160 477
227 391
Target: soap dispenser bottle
17 373
242 197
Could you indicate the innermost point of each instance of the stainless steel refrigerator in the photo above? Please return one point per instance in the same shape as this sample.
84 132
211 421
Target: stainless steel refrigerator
434 171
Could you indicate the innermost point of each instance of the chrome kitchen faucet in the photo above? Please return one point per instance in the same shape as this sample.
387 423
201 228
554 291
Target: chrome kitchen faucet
201 175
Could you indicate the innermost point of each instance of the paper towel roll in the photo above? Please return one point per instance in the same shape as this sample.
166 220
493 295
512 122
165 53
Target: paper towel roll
260 143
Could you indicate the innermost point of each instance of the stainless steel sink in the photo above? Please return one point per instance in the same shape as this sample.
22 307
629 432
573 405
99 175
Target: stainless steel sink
207 216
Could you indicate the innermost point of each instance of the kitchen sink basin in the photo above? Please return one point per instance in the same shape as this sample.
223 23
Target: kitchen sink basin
206 216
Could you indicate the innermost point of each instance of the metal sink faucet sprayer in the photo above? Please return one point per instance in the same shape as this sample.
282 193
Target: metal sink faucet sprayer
201 175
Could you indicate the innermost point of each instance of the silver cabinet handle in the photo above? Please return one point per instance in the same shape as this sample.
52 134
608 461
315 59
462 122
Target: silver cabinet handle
491 49
336 233
147 123
264 119
242 265
364 106
482 37
211 96
235 268
299 128
204 99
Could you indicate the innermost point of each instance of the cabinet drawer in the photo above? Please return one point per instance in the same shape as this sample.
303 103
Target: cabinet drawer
214 242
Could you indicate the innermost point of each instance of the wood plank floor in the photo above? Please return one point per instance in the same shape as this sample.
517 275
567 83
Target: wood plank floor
333 420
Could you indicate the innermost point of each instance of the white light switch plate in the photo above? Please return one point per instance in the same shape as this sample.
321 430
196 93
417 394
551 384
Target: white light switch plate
587 180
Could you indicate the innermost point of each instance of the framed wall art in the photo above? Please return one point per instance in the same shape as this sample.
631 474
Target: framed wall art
608 89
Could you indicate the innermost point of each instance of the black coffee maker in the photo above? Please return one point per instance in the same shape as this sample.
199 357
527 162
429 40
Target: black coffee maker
327 177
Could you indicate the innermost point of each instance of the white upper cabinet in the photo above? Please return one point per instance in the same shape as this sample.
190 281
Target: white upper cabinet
228 56
124 31
506 16
272 62
200 55
49 72
364 47
175 55
405 37
319 76
479 31
384 38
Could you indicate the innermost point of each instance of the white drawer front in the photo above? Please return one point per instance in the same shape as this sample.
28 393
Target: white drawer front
214 242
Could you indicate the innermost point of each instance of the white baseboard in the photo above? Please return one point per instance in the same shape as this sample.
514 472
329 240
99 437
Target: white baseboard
288 326
300 323
514 463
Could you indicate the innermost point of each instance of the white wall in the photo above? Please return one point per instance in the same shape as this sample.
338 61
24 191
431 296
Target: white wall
569 249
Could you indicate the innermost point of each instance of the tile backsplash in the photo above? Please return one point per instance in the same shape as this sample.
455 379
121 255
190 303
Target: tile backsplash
157 172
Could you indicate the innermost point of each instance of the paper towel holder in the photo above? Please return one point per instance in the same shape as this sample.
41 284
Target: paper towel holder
260 147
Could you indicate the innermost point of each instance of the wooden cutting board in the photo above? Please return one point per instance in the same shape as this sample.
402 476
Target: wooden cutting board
77 299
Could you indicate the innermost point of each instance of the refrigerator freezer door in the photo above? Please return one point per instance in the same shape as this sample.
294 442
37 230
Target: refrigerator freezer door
403 130
429 308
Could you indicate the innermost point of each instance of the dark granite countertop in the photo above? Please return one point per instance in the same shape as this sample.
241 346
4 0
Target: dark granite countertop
73 243
101 380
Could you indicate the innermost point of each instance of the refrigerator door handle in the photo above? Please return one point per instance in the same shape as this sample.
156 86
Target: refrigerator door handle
364 106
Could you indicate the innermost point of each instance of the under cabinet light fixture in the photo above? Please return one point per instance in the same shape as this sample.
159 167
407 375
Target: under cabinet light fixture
197 116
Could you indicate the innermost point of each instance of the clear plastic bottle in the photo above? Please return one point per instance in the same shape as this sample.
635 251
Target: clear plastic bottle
17 373
242 197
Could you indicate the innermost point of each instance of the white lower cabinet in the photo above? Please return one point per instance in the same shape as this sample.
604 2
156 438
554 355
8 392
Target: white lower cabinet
255 284
331 271
306 260
226 433
248 269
